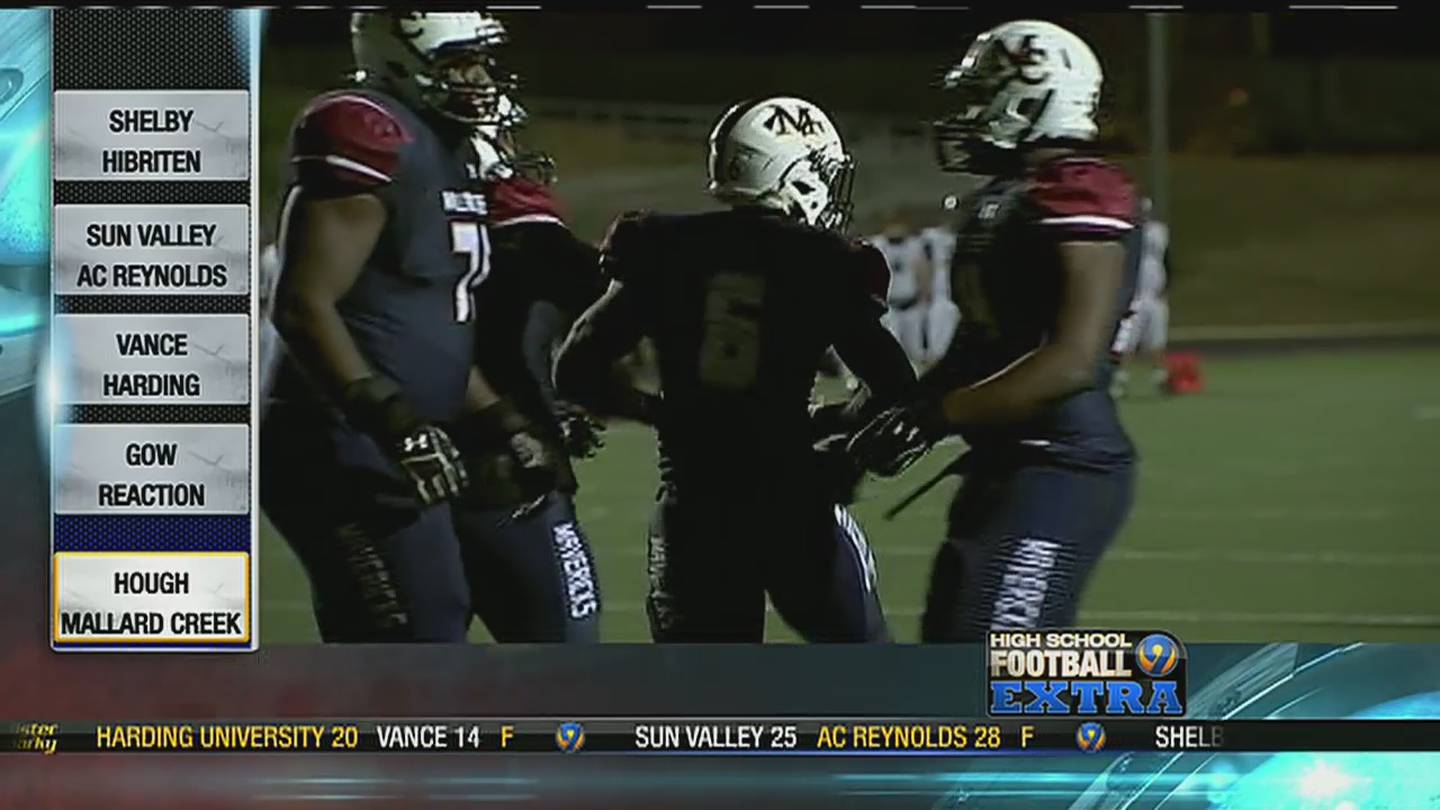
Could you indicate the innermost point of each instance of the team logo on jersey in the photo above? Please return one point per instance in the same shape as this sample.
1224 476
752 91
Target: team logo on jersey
463 202
783 122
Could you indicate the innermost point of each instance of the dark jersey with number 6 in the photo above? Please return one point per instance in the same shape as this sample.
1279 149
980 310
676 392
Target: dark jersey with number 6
411 310
741 306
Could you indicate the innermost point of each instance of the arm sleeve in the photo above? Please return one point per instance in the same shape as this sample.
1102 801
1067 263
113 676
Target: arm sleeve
607 331
558 266
625 255
862 342
346 144
611 327
1082 199
544 330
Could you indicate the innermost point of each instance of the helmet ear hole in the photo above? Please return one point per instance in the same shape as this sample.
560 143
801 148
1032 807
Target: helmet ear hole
803 187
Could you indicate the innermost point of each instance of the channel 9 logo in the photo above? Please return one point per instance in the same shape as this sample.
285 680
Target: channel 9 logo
1078 673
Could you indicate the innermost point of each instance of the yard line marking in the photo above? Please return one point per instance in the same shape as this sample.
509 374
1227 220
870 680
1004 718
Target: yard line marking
1272 513
1373 559
1311 331
1263 617
1122 617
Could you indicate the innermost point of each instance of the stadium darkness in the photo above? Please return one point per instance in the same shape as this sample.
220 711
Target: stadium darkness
597 55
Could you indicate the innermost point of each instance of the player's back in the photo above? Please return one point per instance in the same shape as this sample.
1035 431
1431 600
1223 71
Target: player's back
741 306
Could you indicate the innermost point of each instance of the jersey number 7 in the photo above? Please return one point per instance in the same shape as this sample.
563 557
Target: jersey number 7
470 240
730 344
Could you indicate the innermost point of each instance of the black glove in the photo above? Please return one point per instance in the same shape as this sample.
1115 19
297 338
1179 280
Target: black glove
582 434
501 428
898 437
831 426
376 406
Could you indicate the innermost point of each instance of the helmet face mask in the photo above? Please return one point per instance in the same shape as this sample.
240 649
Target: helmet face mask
838 175
466 85
1020 83
443 63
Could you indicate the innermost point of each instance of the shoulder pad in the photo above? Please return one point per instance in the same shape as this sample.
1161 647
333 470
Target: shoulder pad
347 141
873 272
1084 198
516 199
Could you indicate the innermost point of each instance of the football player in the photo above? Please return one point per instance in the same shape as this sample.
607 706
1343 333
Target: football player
741 305
1147 328
382 240
1042 271
532 575
908 296
943 316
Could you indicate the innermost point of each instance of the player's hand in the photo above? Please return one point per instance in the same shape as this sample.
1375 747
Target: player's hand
582 434
840 474
831 426
377 406
433 463
534 467
896 439
526 460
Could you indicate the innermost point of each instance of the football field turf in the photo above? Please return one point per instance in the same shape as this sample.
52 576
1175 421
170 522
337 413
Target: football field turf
1297 498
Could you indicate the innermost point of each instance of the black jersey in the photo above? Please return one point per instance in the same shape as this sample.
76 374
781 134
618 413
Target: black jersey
741 306
1006 278
411 311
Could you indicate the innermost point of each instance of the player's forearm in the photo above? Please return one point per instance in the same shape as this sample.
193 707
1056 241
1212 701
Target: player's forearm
1022 391
607 331
874 355
314 331
544 328
479 395
583 377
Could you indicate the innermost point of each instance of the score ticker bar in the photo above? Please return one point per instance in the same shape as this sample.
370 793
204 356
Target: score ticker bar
724 736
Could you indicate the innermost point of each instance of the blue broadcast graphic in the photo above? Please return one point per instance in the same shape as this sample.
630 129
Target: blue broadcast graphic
1157 655
1090 737
570 737
1085 673
24 196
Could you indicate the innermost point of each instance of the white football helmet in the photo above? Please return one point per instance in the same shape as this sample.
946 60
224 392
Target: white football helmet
784 153
1020 82
441 61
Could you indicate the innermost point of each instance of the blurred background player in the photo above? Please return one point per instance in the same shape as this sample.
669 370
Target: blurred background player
532 575
1041 276
908 297
1145 332
382 240
271 347
741 305
942 317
